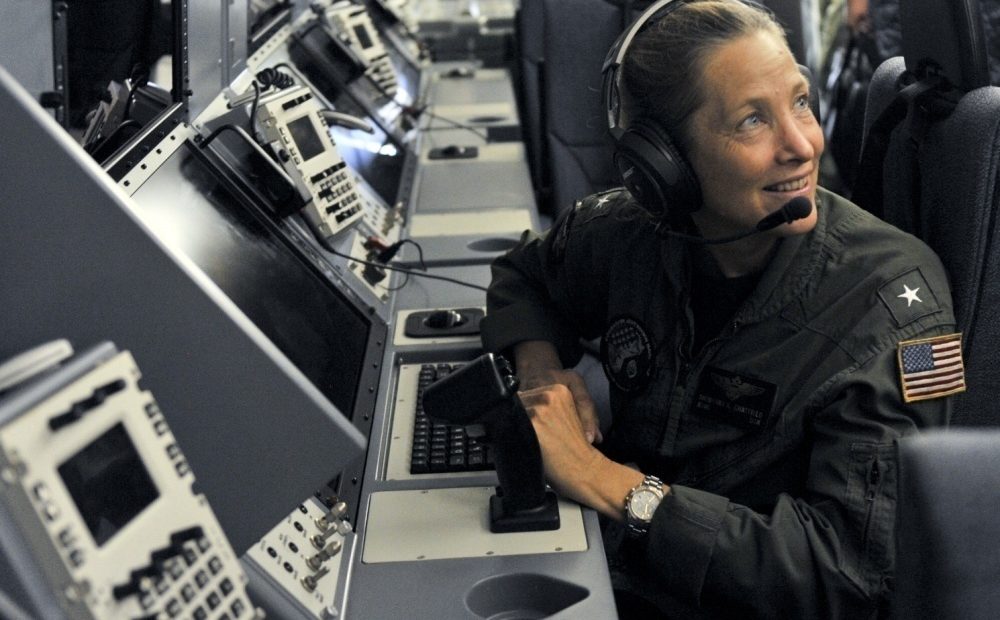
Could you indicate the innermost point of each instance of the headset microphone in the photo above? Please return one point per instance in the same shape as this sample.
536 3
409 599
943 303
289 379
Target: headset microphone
794 209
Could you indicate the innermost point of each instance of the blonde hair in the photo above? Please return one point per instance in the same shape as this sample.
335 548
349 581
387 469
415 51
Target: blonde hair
663 68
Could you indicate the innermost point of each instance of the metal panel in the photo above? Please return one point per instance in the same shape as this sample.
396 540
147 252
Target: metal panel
76 264
26 44
207 72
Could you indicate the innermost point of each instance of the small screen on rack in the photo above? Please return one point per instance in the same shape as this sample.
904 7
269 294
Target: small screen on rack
305 137
363 37
109 483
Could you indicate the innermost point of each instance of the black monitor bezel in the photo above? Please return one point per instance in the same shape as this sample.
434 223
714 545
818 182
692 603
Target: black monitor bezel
346 482
257 205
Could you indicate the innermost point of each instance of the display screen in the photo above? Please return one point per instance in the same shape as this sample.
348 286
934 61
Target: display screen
109 483
374 158
300 311
363 37
305 137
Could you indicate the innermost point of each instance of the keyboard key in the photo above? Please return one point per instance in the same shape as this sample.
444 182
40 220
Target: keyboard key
161 585
438 446
201 578
215 565
174 567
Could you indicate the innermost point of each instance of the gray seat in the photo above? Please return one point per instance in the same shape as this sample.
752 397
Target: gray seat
930 166
939 176
562 45
947 532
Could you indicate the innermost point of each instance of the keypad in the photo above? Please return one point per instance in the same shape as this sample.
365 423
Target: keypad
443 447
186 580
335 192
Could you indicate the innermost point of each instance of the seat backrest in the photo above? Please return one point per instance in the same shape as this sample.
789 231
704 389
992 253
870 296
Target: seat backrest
562 44
947 531
939 180
529 39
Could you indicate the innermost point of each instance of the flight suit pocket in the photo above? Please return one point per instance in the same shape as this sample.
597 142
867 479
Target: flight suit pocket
871 504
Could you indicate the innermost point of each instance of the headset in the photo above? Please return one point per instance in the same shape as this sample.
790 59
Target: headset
650 166
648 162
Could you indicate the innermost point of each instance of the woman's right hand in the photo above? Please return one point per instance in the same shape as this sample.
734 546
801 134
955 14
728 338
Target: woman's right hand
538 365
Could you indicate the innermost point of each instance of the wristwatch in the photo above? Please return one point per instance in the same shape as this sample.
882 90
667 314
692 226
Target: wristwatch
640 504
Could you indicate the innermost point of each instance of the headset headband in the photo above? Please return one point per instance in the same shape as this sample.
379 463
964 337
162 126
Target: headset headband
616 55
611 86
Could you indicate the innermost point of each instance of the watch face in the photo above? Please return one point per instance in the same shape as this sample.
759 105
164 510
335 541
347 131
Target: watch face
643 503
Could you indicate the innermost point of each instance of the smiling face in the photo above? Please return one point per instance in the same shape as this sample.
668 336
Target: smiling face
754 142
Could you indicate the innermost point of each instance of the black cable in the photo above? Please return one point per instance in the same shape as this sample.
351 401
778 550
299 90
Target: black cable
204 142
270 76
420 251
456 124
292 69
253 109
266 78
417 273
417 112
329 248
388 253
406 280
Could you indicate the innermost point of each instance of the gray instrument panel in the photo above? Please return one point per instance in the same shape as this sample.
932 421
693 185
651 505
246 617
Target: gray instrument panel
418 546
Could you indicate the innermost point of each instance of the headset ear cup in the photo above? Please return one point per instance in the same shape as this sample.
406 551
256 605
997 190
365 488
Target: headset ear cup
654 171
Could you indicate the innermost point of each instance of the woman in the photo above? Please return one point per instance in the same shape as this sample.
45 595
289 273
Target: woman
755 385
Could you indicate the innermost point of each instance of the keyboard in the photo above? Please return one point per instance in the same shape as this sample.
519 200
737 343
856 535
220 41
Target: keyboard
442 447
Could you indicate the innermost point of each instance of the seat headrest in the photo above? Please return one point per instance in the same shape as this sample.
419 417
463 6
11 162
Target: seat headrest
949 33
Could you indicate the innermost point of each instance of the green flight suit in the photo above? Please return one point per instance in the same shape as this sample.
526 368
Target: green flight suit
778 438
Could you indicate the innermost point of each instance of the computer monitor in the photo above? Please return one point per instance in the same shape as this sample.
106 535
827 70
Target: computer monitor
376 159
346 80
192 208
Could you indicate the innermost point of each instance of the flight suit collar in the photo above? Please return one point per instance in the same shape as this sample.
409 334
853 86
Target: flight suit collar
789 272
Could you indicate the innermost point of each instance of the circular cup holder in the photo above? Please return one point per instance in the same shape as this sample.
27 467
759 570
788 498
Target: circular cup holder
522 596
492 244
486 120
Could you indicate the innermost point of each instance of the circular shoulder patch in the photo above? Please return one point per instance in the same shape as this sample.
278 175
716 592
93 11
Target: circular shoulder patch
627 355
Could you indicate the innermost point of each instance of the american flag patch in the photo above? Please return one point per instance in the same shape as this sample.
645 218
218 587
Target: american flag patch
931 367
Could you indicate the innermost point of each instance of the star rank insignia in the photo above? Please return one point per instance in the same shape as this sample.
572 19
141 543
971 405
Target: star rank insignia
931 367
908 297
557 250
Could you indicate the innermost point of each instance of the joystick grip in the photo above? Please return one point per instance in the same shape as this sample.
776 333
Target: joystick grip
485 391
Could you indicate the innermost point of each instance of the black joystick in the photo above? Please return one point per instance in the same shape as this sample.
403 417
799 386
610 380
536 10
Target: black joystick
485 391
444 319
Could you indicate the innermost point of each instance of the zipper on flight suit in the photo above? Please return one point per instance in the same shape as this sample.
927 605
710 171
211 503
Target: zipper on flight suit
680 397
871 492
677 397
687 362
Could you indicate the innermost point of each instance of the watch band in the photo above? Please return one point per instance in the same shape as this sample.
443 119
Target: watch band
639 513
